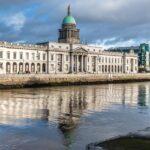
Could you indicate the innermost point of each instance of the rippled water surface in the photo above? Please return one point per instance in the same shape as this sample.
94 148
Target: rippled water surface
69 118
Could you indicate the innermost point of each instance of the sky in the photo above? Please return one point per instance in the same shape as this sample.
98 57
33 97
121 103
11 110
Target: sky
106 23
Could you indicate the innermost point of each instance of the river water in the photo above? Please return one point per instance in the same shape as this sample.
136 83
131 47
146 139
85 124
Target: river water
69 118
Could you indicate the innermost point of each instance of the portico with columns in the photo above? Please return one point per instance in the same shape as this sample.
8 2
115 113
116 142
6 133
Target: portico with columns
78 61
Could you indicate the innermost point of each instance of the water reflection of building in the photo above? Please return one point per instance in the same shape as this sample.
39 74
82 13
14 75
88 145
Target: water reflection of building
144 95
57 103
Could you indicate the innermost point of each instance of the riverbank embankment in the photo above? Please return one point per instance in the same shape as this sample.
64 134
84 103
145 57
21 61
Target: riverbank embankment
38 80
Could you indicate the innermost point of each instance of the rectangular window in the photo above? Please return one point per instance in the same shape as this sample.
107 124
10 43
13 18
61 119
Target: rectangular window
1 65
8 55
67 57
44 56
52 56
33 56
14 55
21 55
99 59
39 56
27 56
1 54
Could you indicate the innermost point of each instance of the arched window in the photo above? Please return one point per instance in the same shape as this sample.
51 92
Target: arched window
112 69
20 67
121 69
32 67
14 67
38 68
118 68
8 67
105 69
115 69
44 67
109 69
27 68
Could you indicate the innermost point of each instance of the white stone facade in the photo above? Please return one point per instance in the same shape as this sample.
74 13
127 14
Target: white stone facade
59 58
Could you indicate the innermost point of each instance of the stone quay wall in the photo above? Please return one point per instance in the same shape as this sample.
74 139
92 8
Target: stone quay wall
38 80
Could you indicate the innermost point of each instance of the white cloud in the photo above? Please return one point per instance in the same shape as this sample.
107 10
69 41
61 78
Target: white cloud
16 21
126 20
114 42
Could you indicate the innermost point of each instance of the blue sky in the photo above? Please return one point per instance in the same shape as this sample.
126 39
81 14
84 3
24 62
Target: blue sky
102 22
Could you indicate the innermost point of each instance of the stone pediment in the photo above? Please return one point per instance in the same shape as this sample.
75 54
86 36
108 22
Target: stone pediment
80 50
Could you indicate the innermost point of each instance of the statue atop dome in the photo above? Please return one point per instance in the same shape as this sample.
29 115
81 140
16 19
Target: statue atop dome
69 12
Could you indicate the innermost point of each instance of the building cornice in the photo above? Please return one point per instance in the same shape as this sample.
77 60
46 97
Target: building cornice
22 46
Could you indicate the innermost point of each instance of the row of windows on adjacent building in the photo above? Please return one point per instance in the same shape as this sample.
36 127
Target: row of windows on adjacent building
112 69
59 57
39 56
24 68
108 69
27 56
30 68
21 55
59 69
100 59
109 60
114 60
41 68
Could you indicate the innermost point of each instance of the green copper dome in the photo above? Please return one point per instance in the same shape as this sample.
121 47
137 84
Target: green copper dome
69 20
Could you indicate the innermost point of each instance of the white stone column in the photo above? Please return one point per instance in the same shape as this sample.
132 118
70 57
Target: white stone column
73 63
96 65
110 69
4 67
23 66
56 63
77 60
35 67
29 67
82 63
63 62
17 63
41 68
11 67
48 62
86 64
